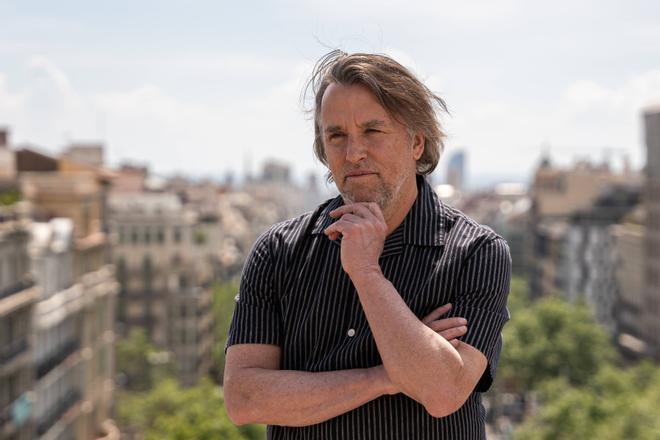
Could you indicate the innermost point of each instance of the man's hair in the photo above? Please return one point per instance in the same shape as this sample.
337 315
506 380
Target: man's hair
404 97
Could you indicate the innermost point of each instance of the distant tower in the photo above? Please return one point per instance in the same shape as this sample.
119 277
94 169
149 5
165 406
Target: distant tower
456 170
274 171
651 312
7 158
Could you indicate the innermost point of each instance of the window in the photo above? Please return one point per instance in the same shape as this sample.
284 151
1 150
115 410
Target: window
160 235
177 234
147 235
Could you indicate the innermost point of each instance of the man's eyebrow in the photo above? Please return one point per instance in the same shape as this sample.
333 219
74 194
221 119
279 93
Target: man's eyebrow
373 123
333 129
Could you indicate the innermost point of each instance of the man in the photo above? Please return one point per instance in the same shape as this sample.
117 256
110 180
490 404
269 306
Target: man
337 331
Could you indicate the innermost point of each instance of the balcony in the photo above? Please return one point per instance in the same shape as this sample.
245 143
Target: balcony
13 349
17 287
57 358
57 411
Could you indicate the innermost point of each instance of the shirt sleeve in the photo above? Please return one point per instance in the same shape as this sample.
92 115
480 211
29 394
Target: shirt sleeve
257 318
481 299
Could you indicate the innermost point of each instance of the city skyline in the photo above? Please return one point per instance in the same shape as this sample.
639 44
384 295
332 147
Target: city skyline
214 88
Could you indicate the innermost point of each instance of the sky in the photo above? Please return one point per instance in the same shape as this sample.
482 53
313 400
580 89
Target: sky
208 88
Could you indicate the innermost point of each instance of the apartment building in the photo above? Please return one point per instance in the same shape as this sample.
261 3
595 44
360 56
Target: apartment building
18 295
164 266
651 317
74 318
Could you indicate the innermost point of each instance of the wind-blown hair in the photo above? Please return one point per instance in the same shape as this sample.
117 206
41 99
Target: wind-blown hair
404 97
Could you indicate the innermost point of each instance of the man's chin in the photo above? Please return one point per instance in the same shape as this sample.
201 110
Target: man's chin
361 197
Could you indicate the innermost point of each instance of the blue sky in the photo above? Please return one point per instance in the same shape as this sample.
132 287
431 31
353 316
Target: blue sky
206 87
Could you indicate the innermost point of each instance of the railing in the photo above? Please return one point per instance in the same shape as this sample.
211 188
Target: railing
16 287
57 411
56 358
13 349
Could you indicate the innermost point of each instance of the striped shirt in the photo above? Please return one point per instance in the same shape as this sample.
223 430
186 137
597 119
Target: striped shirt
295 294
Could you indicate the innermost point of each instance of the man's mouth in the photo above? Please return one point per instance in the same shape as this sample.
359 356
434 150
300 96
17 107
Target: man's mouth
359 174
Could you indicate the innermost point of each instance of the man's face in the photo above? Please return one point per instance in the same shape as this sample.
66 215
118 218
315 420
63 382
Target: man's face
371 155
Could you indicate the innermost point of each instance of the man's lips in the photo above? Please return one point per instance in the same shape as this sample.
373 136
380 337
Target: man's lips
355 174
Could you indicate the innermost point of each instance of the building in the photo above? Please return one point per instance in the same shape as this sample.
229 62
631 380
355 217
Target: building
556 195
163 259
456 170
590 261
628 238
85 153
74 325
7 161
650 319
18 295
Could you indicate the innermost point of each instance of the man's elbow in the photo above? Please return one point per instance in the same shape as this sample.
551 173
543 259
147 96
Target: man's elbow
442 407
445 401
237 405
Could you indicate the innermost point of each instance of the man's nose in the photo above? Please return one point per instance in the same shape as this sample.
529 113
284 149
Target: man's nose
356 150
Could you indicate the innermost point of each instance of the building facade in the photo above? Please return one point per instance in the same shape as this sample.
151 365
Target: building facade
18 295
74 317
651 317
161 255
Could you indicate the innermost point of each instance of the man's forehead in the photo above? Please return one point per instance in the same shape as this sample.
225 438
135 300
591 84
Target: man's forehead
353 103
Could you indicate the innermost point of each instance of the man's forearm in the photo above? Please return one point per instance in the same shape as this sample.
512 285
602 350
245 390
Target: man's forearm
299 398
421 362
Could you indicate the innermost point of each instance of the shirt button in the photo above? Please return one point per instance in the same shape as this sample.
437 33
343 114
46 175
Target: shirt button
350 332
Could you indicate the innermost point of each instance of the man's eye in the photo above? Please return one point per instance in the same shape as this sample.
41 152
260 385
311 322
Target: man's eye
335 136
372 131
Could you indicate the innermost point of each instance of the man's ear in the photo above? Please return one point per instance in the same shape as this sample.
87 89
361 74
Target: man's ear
418 142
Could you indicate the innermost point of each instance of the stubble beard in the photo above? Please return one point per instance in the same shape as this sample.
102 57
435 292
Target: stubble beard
383 194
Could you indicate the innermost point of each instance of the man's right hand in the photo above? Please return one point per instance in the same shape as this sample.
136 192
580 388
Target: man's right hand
449 328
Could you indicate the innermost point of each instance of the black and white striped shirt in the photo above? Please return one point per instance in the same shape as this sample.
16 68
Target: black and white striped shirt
295 294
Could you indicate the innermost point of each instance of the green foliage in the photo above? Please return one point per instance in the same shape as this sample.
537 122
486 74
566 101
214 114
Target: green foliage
140 362
550 339
556 351
9 197
223 309
171 412
617 404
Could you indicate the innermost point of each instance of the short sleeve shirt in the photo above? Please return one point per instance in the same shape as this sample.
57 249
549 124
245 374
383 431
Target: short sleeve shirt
295 294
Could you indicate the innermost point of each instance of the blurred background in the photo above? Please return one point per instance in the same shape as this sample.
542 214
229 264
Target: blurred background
145 145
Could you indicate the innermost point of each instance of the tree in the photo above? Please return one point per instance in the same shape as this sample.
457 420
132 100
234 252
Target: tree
550 339
140 363
616 404
171 412
223 309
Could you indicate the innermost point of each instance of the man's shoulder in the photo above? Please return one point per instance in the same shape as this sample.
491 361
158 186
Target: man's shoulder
286 234
464 232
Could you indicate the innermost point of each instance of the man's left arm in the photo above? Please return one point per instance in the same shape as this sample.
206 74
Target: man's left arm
423 364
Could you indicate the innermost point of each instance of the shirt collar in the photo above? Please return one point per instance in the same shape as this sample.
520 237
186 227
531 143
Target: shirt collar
424 224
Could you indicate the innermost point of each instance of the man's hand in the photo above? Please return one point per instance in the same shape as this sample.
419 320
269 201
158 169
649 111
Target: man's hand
449 328
363 230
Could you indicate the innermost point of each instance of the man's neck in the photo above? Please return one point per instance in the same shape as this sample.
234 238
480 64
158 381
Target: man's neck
401 206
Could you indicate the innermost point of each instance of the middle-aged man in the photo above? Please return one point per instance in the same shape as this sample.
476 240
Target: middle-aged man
378 315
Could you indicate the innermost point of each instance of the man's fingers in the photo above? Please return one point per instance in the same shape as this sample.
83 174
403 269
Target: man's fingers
375 209
360 209
436 313
453 333
447 323
455 343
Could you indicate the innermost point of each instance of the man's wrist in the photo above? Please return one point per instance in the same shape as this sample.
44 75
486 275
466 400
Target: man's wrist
382 383
367 277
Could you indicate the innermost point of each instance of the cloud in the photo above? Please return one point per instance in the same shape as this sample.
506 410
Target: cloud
149 124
